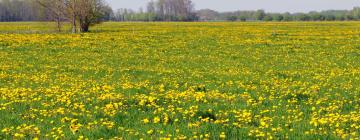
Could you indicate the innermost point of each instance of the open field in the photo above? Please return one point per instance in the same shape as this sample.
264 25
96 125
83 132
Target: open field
298 80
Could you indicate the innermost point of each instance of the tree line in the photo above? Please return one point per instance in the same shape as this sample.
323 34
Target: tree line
45 10
158 10
22 10
261 15
84 13
256 15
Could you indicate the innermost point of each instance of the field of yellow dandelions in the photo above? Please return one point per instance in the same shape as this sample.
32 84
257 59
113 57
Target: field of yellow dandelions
298 80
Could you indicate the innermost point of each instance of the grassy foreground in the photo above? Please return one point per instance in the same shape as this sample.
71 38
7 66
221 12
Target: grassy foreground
181 80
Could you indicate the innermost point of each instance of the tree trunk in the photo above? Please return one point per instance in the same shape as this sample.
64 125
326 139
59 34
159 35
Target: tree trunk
73 24
58 21
84 27
73 17
84 24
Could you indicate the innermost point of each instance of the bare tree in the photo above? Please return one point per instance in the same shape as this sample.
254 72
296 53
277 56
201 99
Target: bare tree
173 9
72 13
151 7
57 9
84 12
89 13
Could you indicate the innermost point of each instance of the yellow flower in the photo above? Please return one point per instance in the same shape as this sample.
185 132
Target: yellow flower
156 120
146 121
5 130
150 132
222 135
313 108
74 128
19 135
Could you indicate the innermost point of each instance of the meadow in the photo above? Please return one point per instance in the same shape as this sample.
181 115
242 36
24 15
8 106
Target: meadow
256 80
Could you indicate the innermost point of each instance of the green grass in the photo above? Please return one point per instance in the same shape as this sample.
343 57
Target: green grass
296 80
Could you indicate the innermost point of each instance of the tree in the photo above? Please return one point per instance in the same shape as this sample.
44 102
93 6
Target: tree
287 17
207 14
61 9
3 11
330 17
232 18
260 14
172 10
356 13
108 13
57 9
84 12
151 11
268 18
278 17
89 12
302 17
242 18
315 16
349 16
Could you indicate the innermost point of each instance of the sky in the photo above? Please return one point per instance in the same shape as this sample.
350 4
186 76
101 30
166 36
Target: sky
267 5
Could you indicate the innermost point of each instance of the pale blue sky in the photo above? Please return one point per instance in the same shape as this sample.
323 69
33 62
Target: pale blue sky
268 5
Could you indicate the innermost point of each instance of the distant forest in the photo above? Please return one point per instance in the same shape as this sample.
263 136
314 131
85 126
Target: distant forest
172 10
